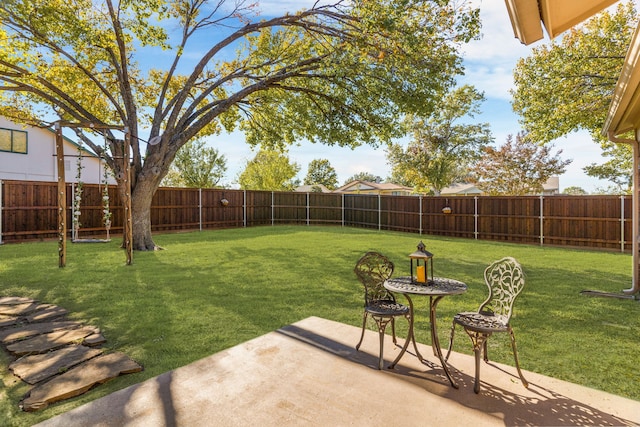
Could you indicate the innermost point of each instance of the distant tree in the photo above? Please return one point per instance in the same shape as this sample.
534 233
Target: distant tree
574 191
269 170
196 166
397 177
618 169
442 147
320 171
518 167
611 190
364 176
172 179
568 85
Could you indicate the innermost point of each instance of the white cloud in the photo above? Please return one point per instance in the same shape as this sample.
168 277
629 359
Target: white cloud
495 82
490 61
498 44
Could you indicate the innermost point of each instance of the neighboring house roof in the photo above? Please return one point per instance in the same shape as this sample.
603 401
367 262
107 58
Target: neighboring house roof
461 190
552 186
359 186
311 189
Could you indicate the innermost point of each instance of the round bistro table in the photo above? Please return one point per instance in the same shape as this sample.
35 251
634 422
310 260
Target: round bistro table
436 289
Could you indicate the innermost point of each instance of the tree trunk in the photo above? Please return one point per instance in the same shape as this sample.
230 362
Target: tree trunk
141 196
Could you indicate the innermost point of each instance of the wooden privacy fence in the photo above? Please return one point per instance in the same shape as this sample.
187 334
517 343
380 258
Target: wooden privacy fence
28 211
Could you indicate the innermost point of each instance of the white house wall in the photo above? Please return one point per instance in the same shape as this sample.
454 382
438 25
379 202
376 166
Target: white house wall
39 164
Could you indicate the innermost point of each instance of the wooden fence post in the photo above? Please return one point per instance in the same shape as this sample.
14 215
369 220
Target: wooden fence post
420 214
541 220
475 217
621 223
379 213
0 211
200 207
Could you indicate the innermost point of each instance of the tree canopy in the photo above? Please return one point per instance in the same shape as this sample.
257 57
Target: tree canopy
443 145
320 171
575 191
196 166
364 176
269 170
618 169
339 73
517 168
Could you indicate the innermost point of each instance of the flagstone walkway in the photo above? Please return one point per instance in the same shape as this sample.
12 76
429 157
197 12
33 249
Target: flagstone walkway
59 357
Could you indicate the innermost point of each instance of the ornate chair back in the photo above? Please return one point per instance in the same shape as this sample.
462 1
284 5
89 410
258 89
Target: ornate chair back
372 270
505 280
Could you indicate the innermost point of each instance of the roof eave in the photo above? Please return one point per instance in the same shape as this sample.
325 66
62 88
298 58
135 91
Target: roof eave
525 20
624 109
558 17
529 16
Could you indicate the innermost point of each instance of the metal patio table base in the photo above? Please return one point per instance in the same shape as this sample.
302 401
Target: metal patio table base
435 289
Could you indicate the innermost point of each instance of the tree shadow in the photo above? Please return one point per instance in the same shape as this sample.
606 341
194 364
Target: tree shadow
540 406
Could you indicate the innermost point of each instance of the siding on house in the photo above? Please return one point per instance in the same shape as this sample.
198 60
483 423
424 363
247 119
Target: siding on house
39 161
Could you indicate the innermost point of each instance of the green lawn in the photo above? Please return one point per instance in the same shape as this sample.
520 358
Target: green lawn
208 291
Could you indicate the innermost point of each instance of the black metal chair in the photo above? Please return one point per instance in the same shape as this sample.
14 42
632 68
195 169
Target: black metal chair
505 280
372 270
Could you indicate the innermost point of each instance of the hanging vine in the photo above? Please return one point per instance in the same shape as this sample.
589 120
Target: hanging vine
77 197
106 212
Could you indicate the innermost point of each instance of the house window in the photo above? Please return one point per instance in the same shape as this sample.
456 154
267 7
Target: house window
14 141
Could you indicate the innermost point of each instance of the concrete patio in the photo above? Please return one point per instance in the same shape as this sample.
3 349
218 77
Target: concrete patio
309 374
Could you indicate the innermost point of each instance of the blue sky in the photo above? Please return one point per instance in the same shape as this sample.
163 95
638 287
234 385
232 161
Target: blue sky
489 64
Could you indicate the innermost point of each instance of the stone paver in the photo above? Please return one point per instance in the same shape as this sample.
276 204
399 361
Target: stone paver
9 321
47 313
31 329
39 367
61 358
94 340
14 300
77 381
22 309
45 342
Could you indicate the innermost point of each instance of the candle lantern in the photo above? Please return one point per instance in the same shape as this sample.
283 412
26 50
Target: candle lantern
447 208
422 264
